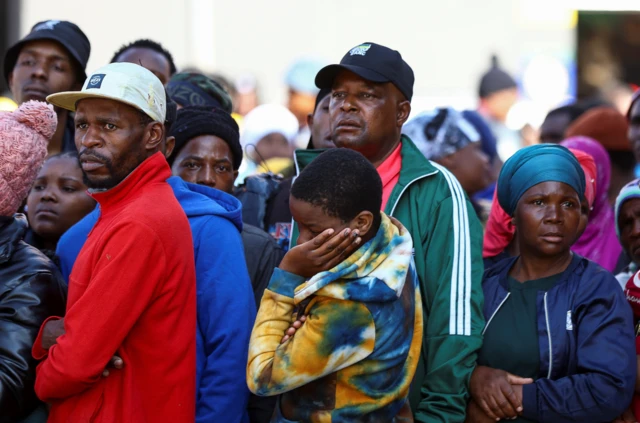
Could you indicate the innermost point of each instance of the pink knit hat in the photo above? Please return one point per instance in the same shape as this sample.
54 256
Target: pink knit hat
24 136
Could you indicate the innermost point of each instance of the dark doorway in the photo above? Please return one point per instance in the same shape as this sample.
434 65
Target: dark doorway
9 33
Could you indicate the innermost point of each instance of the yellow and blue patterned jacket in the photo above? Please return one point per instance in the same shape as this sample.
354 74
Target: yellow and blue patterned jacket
355 356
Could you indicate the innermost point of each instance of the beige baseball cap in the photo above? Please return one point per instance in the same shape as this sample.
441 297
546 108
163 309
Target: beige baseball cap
124 82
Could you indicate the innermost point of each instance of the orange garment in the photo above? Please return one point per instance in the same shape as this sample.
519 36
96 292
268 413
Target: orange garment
389 172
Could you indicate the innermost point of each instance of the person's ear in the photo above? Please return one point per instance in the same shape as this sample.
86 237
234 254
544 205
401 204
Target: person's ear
404 110
363 222
448 161
155 135
235 175
310 120
170 144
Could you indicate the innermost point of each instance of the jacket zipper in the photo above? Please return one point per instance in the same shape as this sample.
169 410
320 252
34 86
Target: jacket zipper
495 312
393 209
546 317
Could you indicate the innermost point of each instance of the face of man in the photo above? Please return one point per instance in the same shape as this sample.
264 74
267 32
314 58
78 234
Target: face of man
112 140
366 117
43 67
320 124
150 59
300 104
206 160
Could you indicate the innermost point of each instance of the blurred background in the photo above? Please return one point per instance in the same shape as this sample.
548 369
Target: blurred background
557 50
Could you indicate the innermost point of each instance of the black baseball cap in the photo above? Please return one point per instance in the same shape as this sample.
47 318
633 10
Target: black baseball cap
66 33
374 63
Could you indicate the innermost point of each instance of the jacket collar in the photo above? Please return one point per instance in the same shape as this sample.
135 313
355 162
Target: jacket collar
414 164
12 230
501 270
153 170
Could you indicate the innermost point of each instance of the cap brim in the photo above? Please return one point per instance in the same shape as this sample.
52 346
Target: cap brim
68 99
11 56
326 76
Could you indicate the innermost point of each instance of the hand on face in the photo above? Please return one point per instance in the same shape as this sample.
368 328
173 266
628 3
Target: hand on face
321 253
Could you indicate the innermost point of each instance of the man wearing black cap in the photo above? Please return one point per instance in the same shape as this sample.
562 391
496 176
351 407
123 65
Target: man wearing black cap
50 59
498 92
371 93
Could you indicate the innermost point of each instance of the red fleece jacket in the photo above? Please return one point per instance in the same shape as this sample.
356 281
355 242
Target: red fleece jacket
131 293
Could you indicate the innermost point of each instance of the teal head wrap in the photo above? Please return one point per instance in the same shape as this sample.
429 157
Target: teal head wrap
533 165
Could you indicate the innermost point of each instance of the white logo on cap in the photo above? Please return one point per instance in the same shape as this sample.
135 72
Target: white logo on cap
95 80
46 25
361 50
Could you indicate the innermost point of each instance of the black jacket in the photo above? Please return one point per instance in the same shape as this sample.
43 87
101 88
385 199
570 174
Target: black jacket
262 255
31 289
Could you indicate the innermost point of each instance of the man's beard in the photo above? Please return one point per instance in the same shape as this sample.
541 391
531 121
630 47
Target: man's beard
117 172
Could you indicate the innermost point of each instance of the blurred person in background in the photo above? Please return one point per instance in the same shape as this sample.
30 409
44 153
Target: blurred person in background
555 319
50 59
498 93
610 128
557 121
150 55
599 242
489 146
633 116
301 93
278 215
447 138
57 201
247 98
196 89
31 289
268 141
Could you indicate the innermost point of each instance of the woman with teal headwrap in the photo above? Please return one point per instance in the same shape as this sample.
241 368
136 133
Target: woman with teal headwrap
554 319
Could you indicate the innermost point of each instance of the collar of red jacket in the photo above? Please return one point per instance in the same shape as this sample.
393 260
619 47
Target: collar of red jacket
152 170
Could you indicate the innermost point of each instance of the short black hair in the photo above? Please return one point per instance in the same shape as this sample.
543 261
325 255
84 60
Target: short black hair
151 45
342 182
574 111
64 155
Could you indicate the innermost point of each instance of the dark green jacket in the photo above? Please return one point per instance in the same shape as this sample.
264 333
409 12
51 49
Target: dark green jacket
447 238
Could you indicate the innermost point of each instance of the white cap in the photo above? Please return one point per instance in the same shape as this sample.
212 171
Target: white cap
124 82
268 119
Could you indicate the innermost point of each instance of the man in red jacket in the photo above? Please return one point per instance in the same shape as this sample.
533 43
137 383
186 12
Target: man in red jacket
132 289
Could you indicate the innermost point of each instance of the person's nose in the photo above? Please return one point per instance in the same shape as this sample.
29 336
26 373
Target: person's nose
207 177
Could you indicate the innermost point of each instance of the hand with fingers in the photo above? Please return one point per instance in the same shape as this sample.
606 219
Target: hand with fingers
115 363
497 393
293 328
476 415
321 253
52 330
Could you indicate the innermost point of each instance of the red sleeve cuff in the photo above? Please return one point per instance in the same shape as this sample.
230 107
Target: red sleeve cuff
37 351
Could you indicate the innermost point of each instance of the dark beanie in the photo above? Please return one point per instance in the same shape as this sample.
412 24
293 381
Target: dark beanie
495 79
194 121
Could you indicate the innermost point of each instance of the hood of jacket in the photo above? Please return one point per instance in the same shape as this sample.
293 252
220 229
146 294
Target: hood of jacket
200 200
376 272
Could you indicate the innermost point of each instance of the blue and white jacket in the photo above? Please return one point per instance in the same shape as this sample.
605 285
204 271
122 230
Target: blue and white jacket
587 344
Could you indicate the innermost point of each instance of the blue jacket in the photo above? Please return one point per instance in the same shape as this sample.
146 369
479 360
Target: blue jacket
226 308
587 344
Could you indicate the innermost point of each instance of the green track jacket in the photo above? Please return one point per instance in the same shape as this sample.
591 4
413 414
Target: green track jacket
447 238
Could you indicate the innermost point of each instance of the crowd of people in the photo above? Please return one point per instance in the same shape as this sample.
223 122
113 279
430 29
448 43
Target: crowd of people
171 251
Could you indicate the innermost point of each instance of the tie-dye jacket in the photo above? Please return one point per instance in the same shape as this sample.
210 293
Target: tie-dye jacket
355 356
